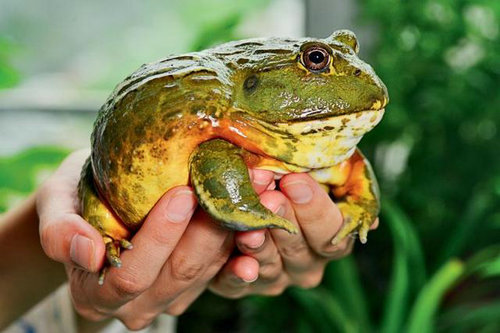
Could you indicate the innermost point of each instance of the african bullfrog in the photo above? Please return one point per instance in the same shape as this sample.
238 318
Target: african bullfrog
202 118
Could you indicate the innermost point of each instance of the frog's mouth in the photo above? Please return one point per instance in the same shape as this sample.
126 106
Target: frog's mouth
316 143
349 125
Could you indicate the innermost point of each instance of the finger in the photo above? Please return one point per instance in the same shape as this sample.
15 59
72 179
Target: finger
270 289
80 300
375 224
298 259
69 239
201 252
153 245
65 236
319 217
248 241
262 180
268 254
235 277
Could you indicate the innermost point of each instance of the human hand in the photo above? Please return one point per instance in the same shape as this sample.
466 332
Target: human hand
272 259
171 264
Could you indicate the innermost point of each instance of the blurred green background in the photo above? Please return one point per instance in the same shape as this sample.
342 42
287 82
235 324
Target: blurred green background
434 262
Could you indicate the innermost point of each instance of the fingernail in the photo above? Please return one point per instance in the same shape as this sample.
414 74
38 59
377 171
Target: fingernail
255 240
180 206
82 251
239 280
280 211
251 280
299 191
271 186
260 178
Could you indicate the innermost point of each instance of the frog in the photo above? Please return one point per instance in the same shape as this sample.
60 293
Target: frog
203 118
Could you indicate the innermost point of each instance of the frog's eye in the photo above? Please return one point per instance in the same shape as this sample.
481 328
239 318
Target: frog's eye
315 58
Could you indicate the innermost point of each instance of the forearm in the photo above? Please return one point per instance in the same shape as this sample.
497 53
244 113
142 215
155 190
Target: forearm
27 275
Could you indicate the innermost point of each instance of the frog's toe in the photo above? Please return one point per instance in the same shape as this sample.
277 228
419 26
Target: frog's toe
113 253
350 227
113 249
102 274
355 229
363 232
125 244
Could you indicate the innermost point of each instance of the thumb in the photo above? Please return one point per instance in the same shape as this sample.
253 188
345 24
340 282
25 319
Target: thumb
69 239
64 235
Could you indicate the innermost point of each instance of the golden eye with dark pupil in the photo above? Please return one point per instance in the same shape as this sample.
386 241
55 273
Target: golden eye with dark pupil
316 59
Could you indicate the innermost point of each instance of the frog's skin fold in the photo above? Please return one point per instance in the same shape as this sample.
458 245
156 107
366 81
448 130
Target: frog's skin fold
200 118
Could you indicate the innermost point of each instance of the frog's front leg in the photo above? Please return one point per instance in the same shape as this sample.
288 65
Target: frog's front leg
222 184
353 183
95 212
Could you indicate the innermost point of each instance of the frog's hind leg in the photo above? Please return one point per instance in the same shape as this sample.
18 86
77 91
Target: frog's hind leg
95 212
221 182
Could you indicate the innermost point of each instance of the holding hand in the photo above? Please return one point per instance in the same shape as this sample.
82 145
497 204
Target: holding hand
272 259
178 252
175 256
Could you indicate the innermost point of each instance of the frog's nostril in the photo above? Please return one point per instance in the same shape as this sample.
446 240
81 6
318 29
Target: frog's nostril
251 83
357 72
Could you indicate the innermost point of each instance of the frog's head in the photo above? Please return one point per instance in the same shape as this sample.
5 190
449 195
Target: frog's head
314 98
300 80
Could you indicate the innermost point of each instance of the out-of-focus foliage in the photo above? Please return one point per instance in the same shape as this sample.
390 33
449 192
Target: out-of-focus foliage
433 265
8 76
21 173
217 26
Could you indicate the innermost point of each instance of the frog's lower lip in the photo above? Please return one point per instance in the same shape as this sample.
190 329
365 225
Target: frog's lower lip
347 125
319 116
352 119
353 124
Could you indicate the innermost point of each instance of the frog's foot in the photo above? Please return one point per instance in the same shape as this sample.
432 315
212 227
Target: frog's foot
113 249
221 182
357 220
95 212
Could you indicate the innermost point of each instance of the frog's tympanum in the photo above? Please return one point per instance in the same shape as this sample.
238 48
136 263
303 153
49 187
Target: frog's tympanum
286 105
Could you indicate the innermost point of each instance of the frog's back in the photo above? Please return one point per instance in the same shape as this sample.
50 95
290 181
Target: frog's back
147 128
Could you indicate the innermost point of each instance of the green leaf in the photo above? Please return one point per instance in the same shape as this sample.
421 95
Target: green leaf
464 231
485 263
468 318
426 305
323 311
408 267
342 277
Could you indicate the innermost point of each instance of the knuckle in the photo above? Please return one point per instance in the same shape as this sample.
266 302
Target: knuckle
311 281
216 265
185 271
274 290
160 236
295 249
228 291
137 324
126 285
339 250
176 309
88 313
271 271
